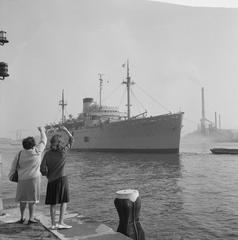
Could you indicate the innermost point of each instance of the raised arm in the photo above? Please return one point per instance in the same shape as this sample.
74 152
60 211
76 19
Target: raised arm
69 144
67 131
43 139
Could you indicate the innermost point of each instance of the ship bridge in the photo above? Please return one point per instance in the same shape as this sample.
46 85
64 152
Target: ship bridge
95 114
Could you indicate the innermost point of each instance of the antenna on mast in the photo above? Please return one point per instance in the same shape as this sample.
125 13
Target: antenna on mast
128 85
100 89
63 104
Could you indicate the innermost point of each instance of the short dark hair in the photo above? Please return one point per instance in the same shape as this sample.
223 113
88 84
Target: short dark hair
28 143
55 139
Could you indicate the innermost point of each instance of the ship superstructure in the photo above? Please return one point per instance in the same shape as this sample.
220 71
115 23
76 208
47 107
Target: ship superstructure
105 128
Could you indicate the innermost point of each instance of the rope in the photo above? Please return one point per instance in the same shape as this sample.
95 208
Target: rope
155 100
122 97
138 101
113 91
57 115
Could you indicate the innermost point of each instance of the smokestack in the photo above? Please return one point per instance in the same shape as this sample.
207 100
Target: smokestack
215 120
219 121
203 127
203 104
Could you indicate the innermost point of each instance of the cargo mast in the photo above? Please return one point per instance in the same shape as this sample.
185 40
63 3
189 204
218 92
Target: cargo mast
100 89
63 104
128 85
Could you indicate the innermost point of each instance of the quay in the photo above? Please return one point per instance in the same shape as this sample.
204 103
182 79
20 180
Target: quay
82 227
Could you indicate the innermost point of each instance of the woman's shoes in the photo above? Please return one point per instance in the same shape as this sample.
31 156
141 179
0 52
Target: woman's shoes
32 221
21 221
54 227
64 226
60 226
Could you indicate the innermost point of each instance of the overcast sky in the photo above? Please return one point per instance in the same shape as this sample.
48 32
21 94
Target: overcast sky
173 51
204 3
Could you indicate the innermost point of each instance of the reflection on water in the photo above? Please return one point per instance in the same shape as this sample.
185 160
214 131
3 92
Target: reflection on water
193 195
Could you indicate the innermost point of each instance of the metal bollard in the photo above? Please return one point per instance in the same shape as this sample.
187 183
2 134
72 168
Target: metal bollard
128 205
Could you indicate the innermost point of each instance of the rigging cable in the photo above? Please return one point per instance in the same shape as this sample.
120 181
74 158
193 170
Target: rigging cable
138 101
112 92
57 115
66 114
155 100
122 97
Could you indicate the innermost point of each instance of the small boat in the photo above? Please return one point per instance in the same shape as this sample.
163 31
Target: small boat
224 150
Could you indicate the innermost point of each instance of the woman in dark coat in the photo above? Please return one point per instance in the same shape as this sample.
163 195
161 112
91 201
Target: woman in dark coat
52 166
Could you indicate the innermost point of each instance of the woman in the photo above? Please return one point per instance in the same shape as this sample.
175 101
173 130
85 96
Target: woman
52 166
27 162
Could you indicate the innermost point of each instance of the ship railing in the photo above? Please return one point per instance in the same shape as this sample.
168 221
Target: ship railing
143 115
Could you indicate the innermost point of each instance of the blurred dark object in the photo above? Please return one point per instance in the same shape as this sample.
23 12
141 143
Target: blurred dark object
3 70
3 38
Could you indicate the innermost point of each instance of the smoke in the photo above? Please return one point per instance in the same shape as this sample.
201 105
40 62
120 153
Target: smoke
203 3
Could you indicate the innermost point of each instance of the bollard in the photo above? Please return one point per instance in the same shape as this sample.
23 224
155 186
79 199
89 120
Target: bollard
1 204
128 205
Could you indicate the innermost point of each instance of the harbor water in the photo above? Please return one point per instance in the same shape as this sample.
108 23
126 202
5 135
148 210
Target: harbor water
193 195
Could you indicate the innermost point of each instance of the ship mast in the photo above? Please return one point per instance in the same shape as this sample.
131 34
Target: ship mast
128 85
63 104
100 89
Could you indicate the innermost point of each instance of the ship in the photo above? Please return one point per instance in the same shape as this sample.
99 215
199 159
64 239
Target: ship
224 150
102 128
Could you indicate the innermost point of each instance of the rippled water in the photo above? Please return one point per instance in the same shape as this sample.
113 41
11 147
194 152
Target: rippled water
193 195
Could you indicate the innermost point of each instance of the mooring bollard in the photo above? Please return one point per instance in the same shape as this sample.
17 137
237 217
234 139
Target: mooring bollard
128 205
1 204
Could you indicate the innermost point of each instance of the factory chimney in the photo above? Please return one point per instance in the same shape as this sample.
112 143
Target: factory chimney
203 119
219 121
215 120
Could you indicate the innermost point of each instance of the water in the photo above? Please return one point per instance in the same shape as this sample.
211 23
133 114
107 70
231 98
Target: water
193 195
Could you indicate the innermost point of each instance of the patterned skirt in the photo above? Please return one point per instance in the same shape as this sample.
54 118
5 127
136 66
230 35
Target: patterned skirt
28 190
57 191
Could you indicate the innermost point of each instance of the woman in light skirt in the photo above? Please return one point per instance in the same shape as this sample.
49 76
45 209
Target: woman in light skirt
27 162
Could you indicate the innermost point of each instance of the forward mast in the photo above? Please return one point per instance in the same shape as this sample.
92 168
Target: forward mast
63 104
128 83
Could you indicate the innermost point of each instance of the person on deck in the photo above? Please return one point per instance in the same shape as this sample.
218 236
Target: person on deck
52 166
27 162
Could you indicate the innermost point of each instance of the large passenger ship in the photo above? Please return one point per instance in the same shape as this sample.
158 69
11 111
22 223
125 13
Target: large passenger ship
106 129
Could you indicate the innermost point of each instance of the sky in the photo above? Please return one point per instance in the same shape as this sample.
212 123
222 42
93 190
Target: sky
204 3
173 51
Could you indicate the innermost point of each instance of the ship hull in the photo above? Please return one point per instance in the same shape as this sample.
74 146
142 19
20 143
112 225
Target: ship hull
224 150
158 134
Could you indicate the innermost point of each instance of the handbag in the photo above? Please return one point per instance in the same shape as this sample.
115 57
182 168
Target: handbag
14 177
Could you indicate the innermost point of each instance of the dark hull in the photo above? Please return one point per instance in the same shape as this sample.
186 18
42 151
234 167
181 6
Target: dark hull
224 150
158 134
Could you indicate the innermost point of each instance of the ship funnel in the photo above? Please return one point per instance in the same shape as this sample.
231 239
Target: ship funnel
87 102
